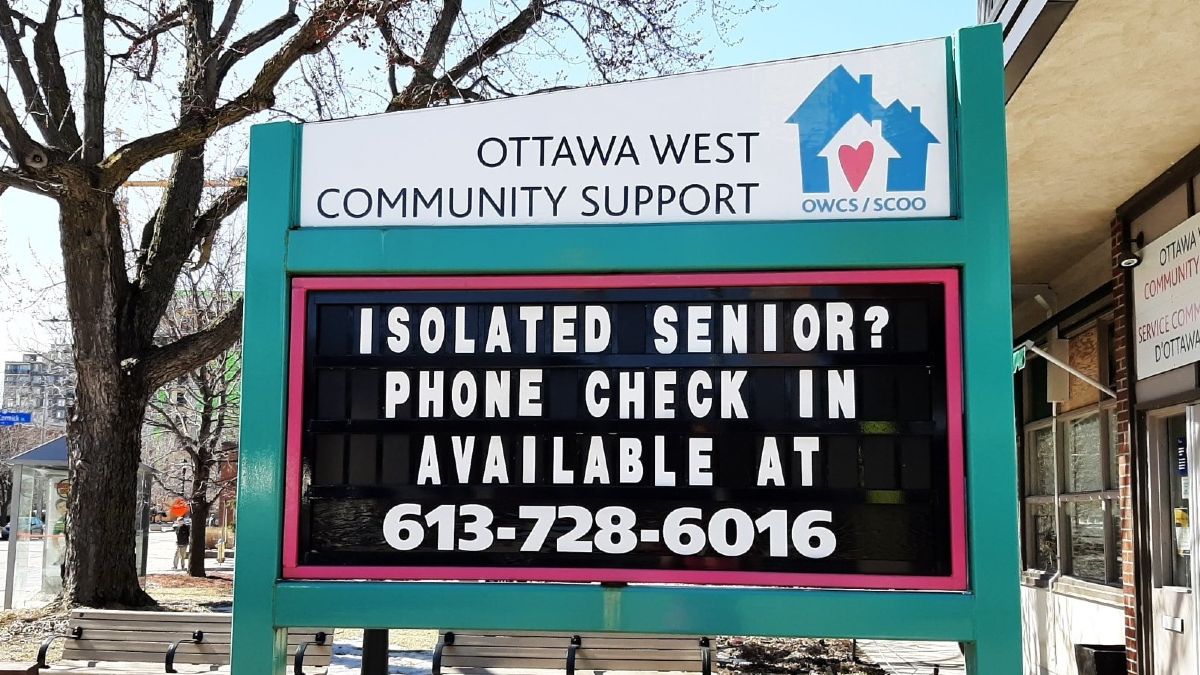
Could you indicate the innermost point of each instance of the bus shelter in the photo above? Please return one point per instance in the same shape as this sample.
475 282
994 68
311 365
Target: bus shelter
36 532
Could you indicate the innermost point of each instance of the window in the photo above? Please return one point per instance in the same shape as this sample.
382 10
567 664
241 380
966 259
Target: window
1072 513
1175 470
1072 524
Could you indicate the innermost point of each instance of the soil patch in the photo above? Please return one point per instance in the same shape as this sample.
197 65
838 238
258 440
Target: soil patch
789 656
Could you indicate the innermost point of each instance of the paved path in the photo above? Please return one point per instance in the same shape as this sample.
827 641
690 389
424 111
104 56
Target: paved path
914 658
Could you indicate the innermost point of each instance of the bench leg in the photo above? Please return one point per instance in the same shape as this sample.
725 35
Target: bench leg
446 639
298 664
705 656
571 649
197 638
75 634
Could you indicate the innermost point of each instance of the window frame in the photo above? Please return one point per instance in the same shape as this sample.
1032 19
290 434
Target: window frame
1109 494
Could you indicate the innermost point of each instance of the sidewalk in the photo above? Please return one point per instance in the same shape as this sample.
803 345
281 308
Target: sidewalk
914 658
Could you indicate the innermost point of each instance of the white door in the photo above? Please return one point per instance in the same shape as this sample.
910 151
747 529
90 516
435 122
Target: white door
1173 441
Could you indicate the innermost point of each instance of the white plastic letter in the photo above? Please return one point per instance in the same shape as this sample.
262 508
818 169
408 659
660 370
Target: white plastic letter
667 341
396 390
841 394
597 403
398 327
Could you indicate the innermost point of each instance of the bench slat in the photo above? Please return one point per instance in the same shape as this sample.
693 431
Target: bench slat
563 640
122 615
567 634
183 652
559 671
131 668
151 657
152 626
173 636
581 663
585 652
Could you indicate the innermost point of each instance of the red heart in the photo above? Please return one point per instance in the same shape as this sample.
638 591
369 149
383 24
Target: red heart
856 162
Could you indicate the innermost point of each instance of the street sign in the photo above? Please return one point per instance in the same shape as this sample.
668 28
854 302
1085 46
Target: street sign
9 418
1019 357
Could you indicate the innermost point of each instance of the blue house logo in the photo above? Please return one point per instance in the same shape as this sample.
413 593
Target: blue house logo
831 106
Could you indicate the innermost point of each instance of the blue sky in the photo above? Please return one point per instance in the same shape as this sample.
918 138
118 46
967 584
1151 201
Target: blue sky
803 27
28 224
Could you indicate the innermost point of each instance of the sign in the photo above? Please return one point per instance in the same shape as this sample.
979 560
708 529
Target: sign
768 429
1018 359
856 135
1166 306
9 418
1181 460
693 420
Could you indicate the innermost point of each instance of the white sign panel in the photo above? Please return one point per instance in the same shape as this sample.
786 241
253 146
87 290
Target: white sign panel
1166 306
861 134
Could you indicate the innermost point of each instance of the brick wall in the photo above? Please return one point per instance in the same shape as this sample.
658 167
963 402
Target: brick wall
1125 464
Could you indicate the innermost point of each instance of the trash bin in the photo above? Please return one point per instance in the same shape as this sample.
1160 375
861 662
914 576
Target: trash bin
1100 659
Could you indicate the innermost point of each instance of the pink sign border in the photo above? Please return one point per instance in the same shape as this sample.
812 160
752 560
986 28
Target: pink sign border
957 580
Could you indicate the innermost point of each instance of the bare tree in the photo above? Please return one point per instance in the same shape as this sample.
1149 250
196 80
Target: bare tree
200 410
68 72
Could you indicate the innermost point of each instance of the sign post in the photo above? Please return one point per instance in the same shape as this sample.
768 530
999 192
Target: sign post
730 379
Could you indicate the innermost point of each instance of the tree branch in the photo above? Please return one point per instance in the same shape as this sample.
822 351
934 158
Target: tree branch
170 20
421 92
508 35
435 46
27 151
326 22
55 87
93 82
253 41
221 208
19 63
11 178
226 27
188 353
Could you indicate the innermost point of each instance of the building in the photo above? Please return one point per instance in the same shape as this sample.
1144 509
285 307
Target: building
1104 168
41 384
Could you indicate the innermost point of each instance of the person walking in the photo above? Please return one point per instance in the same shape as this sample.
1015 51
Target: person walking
183 535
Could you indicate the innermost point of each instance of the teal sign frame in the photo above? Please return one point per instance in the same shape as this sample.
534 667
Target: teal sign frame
986 618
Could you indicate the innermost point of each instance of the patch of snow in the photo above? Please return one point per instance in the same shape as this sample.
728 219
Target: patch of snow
347 660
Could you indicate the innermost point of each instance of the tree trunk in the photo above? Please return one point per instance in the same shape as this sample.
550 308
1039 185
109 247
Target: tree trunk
104 432
199 513
101 552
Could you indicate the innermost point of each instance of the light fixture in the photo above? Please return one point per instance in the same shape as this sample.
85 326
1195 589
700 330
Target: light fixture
1132 257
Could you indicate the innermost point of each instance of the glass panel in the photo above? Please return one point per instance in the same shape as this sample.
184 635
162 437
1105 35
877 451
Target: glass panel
54 554
1083 455
1114 471
1042 464
28 537
1044 555
1178 517
1039 406
1086 523
1114 509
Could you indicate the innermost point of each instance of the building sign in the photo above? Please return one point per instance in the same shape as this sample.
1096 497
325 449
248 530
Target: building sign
856 135
742 428
1166 305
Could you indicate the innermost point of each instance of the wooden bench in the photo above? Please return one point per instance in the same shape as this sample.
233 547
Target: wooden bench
109 642
486 652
